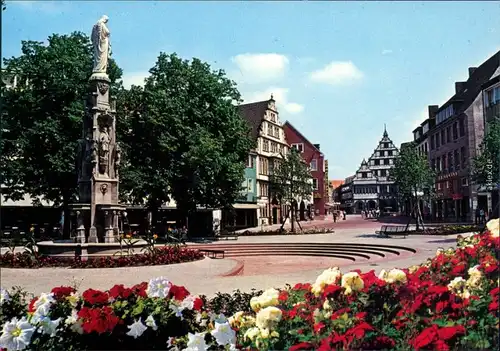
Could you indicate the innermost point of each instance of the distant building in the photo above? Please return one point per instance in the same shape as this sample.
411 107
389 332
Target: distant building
371 188
267 130
315 158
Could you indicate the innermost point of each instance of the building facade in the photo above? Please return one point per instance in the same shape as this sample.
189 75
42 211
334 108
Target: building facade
312 155
267 130
488 200
371 187
454 142
246 208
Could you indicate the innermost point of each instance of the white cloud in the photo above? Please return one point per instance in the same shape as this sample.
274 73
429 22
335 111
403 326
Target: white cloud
260 68
136 78
281 97
337 72
386 52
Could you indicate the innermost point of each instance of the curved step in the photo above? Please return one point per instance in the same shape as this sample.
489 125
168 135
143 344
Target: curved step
304 250
315 254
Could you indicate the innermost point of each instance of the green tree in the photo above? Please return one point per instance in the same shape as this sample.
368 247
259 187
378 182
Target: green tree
43 117
290 181
195 143
413 177
487 163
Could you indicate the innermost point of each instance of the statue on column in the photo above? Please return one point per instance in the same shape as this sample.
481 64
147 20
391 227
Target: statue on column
101 45
104 140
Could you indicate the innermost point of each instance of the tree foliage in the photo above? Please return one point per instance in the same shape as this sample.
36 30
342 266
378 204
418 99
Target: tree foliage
290 180
187 141
486 164
42 117
412 174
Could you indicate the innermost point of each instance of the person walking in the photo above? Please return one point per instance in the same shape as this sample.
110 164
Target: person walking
335 214
478 214
481 216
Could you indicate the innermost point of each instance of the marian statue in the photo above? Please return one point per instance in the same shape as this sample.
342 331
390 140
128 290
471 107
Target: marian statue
101 45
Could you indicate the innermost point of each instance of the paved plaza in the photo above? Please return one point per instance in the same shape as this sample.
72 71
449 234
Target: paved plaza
209 276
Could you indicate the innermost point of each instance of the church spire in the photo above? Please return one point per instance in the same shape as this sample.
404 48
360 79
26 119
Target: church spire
385 131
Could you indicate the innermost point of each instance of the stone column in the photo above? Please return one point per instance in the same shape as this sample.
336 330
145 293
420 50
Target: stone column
80 227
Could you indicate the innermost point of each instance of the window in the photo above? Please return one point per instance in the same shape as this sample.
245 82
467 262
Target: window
314 165
315 184
432 142
276 132
273 117
386 145
443 163
265 146
386 162
269 129
443 137
383 172
274 147
444 114
463 156
450 162
377 162
433 164
437 140
461 126
465 182
298 147
389 153
448 134
250 185
493 96
263 166
364 175
455 131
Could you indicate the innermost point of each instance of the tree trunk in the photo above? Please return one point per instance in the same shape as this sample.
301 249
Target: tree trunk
292 228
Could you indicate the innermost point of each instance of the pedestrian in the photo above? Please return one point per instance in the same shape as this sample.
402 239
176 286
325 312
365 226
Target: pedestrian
481 216
478 214
344 213
335 216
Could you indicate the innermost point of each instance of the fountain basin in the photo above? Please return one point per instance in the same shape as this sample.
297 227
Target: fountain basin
66 248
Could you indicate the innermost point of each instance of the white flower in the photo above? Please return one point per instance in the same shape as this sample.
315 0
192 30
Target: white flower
136 329
42 305
48 326
158 287
4 296
196 342
223 334
74 323
150 322
188 303
16 334
329 276
177 310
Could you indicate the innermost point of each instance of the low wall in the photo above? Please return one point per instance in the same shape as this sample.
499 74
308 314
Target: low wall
64 248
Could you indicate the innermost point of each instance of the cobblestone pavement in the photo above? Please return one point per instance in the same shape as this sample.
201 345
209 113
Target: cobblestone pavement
208 276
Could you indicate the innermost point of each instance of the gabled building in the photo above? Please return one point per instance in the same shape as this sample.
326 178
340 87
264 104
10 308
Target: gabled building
267 130
312 155
371 188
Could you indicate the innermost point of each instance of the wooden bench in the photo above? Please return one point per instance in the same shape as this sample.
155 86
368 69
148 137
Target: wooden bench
388 231
213 253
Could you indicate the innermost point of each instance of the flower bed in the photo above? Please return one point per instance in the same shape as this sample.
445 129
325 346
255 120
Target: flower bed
450 302
313 230
157 256
450 230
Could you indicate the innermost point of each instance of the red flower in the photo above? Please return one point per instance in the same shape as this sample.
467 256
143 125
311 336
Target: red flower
330 290
119 291
62 291
179 293
317 327
447 333
31 306
283 296
425 338
99 320
95 297
361 315
359 330
140 289
198 304
301 346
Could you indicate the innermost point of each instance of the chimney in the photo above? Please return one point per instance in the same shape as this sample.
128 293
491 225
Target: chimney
316 146
432 111
471 70
459 86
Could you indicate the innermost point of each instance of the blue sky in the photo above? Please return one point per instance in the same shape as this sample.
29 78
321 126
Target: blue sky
338 70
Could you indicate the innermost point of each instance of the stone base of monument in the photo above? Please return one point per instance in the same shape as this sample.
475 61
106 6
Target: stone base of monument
70 249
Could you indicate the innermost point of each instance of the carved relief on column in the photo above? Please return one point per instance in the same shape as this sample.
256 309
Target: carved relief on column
105 140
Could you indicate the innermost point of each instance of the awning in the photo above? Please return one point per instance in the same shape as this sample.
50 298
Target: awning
246 206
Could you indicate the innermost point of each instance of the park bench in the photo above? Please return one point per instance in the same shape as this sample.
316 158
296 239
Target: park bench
388 231
212 253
